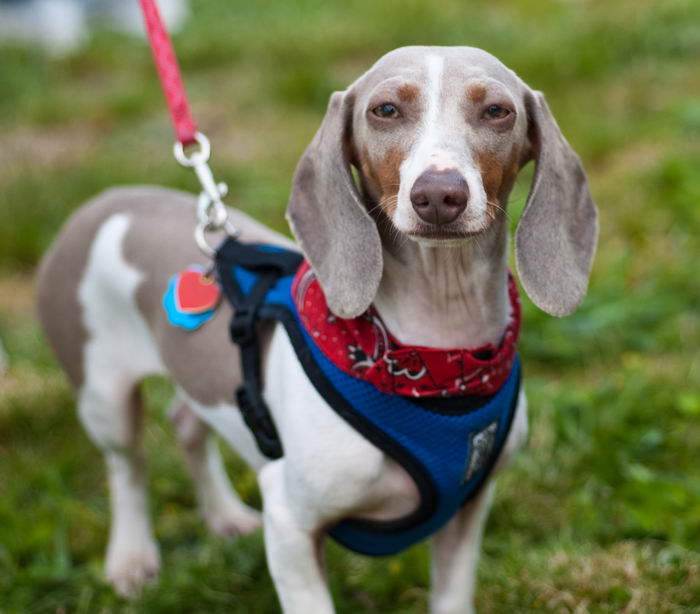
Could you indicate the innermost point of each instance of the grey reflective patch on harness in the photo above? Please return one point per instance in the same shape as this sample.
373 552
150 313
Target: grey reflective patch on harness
481 445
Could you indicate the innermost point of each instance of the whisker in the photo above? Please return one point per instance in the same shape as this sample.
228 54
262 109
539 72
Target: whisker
499 207
380 204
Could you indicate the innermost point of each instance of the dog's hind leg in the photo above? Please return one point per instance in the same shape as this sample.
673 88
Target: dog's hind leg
118 354
112 418
224 513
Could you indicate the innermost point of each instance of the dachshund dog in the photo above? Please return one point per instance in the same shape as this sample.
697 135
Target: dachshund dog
399 202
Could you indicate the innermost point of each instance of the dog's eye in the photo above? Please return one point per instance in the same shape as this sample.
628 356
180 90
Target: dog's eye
496 111
386 110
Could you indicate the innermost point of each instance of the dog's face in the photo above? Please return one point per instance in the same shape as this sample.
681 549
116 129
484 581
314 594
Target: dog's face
438 139
438 135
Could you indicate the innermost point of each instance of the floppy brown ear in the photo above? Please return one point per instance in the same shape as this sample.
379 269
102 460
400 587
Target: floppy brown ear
327 216
557 233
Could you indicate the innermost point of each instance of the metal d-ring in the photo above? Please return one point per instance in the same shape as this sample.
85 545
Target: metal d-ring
200 156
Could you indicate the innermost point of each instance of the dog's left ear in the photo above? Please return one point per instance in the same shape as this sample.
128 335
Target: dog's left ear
557 233
328 218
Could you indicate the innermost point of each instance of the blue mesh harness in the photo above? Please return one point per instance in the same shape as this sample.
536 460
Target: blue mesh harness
448 446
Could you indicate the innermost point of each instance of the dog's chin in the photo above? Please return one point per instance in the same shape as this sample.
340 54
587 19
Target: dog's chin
436 236
435 241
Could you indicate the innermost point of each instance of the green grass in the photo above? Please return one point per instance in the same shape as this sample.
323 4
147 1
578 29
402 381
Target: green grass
600 514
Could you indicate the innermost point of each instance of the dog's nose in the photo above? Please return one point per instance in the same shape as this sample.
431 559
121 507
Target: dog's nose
438 197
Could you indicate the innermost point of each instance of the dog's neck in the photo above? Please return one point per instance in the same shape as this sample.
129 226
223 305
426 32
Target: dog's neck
446 297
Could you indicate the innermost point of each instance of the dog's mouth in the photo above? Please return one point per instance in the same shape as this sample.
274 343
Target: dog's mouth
443 235
455 233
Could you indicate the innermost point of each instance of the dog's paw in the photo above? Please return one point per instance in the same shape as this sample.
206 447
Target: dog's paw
129 569
450 606
232 521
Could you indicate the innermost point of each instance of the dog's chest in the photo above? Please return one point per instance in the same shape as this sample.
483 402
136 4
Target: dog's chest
447 446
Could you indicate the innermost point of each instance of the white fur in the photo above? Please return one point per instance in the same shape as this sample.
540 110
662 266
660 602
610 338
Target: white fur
434 296
438 149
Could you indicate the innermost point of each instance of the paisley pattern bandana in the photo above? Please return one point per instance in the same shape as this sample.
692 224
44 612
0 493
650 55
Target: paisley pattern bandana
364 348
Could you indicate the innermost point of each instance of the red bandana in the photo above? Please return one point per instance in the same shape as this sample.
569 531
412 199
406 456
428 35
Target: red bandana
364 348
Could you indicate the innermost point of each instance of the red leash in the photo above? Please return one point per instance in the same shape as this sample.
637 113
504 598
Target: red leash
169 73
211 212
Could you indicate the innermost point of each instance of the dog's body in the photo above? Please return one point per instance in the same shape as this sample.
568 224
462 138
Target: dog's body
434 166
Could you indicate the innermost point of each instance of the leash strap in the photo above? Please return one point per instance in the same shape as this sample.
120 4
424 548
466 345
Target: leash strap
169 73
212 215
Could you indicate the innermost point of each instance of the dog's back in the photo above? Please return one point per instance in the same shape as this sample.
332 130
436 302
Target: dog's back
145 229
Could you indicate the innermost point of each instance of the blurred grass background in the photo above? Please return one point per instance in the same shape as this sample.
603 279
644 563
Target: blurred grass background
602 511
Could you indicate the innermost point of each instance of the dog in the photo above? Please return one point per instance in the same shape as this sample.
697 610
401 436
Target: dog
436 137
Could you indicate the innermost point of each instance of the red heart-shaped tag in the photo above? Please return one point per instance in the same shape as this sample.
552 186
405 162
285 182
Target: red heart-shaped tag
195 292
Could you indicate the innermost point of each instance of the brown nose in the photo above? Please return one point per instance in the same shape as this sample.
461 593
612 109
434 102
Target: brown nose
439 196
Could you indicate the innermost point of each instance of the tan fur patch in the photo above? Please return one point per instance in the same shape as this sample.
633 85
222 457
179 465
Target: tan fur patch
408 93
476 92
384 176
498 176
491 174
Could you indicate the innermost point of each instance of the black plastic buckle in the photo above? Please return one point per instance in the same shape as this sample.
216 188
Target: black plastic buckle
242 325
257 417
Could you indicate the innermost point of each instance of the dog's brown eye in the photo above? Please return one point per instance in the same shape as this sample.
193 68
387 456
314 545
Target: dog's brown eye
496 111
386 110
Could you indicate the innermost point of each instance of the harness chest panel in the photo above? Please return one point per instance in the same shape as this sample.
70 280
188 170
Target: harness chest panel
448 446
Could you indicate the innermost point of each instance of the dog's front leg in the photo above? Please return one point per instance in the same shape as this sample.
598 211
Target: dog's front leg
294 549
456 547
455 553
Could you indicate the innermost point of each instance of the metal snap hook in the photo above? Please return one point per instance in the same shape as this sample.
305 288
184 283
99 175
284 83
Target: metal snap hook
200 236
212 214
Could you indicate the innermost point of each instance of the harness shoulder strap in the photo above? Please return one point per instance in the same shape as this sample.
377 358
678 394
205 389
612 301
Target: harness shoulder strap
260 267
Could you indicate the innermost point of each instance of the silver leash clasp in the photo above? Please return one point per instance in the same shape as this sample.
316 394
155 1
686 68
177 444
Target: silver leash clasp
212 214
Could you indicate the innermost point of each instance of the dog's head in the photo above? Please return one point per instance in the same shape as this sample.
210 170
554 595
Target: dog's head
438 135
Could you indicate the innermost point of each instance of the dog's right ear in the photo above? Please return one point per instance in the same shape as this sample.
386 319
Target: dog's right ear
327 217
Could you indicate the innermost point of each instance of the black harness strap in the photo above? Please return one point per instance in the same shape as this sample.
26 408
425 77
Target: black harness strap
268 265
